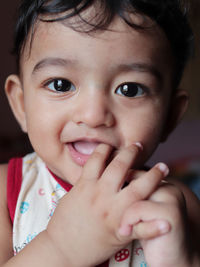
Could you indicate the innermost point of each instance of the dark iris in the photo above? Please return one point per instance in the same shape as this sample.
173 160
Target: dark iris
130 90
62 85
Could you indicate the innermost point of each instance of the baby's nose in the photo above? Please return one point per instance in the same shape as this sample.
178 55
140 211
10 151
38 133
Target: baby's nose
94 110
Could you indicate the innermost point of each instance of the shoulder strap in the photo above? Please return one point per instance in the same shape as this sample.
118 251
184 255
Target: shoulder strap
14 181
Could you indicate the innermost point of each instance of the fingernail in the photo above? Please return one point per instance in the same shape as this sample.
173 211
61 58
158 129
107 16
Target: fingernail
163 168
125 230
139 145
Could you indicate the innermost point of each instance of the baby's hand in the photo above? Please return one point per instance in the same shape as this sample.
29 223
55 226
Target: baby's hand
168 205
85 226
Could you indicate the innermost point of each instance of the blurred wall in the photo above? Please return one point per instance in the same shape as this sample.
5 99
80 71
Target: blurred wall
184 142
7 65
12 141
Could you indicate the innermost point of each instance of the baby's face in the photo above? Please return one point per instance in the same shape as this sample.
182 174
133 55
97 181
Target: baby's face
80 90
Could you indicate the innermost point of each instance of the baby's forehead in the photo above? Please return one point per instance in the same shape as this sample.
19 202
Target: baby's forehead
152 36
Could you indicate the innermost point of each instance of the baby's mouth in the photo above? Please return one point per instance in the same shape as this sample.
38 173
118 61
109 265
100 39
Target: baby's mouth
85 147
80 151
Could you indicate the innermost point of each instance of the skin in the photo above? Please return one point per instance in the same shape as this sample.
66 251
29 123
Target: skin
95 111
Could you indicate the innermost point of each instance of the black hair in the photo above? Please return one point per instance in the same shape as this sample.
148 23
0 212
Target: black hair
170 15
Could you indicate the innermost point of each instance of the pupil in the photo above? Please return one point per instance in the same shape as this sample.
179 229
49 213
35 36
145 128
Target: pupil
61 85
129 90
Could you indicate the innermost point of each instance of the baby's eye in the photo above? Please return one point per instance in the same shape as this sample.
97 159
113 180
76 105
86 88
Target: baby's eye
130 90
60 85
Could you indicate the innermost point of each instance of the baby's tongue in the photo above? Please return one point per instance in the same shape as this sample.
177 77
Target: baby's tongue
85 147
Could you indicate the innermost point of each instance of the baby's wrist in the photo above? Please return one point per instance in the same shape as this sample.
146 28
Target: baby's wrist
63 256
54 253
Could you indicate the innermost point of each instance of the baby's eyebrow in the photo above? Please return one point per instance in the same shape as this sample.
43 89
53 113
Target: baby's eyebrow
52 61
142 67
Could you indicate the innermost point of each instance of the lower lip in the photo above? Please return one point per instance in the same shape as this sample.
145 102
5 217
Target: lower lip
77 157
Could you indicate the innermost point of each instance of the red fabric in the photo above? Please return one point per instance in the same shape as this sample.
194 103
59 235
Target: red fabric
64 184
14 181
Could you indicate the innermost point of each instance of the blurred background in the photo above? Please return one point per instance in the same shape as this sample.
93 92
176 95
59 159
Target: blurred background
181 151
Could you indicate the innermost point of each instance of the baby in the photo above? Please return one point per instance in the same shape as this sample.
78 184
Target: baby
96 92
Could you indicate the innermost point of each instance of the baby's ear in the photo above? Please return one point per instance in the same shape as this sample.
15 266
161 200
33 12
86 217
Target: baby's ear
15 95
179 104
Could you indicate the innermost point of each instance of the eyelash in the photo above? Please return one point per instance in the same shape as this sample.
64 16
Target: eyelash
121 90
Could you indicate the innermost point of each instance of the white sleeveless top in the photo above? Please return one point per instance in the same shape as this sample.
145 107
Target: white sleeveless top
38 197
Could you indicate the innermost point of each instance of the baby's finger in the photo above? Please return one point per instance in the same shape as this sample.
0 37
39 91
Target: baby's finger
145 185
139 221
134 174
150 229
116 172
95 165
